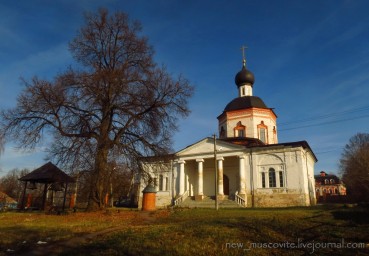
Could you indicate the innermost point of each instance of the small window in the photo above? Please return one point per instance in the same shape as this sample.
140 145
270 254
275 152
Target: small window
281 179
336 191
326 181
161 179
332 181
263 179
272 180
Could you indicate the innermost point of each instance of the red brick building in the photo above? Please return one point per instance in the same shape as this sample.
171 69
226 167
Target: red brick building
328 186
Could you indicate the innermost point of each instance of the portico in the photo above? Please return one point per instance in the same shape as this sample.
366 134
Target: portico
196 175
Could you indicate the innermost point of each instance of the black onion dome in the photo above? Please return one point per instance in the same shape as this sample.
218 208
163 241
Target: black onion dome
245 76
244 103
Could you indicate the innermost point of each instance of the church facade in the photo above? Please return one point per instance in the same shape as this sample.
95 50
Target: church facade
251 166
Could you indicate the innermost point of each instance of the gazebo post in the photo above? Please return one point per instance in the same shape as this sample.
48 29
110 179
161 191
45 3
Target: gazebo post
65 195
23 196
44 197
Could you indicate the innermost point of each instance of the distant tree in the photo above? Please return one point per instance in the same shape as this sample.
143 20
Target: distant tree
354 167
118 105
11 185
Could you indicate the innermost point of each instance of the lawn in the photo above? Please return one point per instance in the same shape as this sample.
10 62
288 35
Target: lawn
286 231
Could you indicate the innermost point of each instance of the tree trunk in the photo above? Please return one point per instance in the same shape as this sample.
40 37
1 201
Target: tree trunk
96 196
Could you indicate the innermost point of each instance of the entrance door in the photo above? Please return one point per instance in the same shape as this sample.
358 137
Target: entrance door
225 185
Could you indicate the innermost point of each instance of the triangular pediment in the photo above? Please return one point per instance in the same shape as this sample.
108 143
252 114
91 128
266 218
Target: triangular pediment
206 146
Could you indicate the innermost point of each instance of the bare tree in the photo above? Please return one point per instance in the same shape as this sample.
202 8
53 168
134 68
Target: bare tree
11 185
118 102
354 167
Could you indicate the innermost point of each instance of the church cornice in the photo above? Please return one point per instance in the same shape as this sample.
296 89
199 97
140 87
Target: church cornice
249 112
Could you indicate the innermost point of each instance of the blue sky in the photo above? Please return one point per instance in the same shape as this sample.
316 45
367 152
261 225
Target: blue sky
310 60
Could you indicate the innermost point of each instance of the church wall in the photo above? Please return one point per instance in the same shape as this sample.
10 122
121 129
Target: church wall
304 176
295 164
157 170
231 169
163 199
191 177
287 160
209 177
311 179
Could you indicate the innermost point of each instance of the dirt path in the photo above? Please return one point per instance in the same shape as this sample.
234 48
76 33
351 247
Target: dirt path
55 248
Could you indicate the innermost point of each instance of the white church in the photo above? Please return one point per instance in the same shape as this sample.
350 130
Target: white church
253 169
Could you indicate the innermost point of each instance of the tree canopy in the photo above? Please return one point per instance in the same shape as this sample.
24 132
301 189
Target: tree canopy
116 105
354 167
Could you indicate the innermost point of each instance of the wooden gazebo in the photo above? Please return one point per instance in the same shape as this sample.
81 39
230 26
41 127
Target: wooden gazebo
49 175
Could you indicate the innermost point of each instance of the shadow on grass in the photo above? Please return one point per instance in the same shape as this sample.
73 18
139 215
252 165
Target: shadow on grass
356 215
20 240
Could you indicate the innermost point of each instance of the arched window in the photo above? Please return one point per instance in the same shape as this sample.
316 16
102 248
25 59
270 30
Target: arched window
332 181
263 179
272 179
239 130
336 191
263 132
326 181
281 184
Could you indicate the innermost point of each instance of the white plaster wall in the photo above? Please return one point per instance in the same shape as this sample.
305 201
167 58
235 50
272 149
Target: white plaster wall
191 174
231 169
163 199
209 177
293 170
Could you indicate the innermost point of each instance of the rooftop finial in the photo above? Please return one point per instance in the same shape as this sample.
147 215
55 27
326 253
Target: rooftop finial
243 55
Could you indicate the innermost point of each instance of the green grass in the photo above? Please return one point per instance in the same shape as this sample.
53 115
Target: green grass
207 232
198 231
20 231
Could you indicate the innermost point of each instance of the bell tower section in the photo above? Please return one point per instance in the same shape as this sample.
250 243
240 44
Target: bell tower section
247 116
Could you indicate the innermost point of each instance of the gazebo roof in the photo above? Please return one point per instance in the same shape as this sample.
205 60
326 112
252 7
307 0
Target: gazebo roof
48 173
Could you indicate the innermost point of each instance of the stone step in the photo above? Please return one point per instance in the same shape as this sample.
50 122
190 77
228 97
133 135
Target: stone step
208 202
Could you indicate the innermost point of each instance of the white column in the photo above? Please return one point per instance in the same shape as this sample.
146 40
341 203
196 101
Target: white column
200 180
242 186
181 177
220 176
157 181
